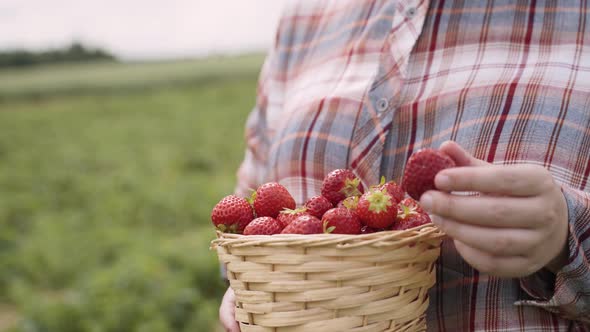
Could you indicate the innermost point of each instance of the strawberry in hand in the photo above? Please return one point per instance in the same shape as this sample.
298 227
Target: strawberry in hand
421 169
517 223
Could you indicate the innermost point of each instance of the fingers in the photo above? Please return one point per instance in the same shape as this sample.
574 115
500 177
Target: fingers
459 155
512 180
499 266
511 228
227 312
487 211
493 241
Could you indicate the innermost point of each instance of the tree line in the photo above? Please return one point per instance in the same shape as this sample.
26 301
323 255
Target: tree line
76 52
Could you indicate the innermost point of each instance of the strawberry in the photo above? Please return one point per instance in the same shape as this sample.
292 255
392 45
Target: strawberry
377 208
286 216
318 205
411 203
306 224
368 230
339 184
263 226
270 199
396 192
232 214
351 203
410 217
421 169
341 221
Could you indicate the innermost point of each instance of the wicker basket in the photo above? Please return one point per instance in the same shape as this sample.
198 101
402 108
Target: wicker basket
328 282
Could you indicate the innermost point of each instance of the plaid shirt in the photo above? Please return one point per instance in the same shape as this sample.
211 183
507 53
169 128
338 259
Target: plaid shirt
361 84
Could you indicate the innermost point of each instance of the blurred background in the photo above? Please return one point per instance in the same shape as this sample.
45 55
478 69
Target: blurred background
121 125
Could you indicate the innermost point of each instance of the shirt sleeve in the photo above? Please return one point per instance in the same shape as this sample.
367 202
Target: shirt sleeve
253 168
253 165
567 293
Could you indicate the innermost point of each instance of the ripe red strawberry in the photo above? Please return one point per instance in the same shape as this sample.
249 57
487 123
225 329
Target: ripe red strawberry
306 224
318 205
351 203
396 192
270 199
368 230
377 209
341 221
411 203
421 169
410 217
232 214
340 184
286 216
263 226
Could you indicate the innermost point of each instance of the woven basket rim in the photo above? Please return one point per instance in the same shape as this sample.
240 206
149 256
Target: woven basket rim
341 241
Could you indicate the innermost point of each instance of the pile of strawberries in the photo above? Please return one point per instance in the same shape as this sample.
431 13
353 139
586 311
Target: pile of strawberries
344 207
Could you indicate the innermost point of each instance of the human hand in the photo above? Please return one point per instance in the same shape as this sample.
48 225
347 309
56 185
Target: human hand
227 312
517 224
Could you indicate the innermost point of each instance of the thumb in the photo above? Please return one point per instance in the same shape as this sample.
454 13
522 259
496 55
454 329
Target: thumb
227 311
459 155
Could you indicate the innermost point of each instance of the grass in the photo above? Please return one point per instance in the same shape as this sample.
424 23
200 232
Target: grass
105 197
119 77
8 317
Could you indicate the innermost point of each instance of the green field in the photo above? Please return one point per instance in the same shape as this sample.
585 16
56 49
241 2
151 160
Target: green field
121 77
108 173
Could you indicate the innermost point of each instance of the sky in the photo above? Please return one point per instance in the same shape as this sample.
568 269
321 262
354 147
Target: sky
141 29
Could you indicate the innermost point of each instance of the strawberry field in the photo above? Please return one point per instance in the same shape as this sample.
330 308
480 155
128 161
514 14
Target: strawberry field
105 193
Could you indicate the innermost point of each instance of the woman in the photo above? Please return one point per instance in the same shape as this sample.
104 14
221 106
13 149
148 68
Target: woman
363 84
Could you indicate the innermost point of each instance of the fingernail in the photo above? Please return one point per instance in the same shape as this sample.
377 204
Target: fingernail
426 202
443 181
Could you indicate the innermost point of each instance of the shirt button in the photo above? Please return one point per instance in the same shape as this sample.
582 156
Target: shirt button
411 12
382 105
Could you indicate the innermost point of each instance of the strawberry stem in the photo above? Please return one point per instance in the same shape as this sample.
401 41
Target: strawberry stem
351 187
379 201
351 204
327 229
407 211
252 197
295 211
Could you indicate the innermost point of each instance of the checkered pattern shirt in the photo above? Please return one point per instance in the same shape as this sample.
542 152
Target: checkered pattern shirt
361 84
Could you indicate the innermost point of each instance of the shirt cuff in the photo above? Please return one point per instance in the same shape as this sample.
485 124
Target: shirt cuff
560 292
